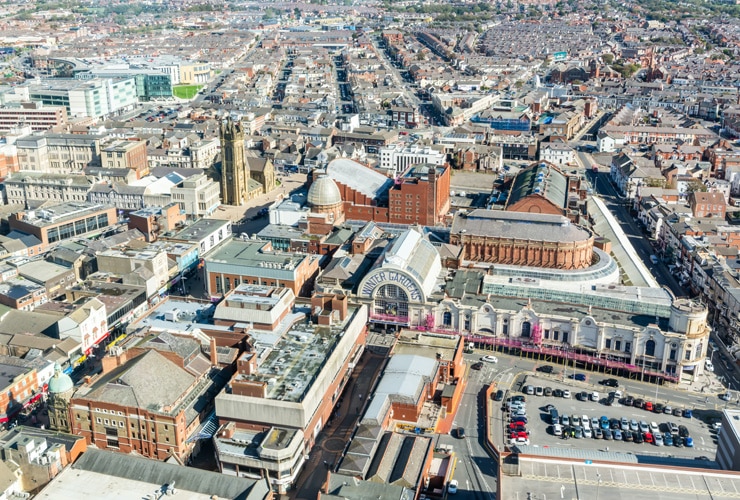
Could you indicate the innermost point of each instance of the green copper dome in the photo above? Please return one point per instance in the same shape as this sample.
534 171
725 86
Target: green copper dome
60 382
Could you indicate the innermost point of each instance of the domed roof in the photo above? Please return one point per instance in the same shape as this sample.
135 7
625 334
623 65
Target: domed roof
324 192
60 382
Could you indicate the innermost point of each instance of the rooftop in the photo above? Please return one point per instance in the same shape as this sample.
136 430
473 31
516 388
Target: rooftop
523 226
291 364
62 213
255 254
104 474
202 228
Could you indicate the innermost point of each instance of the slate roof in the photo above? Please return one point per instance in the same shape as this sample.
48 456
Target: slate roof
540 179
158 474
148 381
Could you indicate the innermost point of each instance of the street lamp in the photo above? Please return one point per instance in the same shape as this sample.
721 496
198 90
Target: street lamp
598 485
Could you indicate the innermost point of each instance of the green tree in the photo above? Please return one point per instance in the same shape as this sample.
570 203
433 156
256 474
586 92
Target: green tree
607 58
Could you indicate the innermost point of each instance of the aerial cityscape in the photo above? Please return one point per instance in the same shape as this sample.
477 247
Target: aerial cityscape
370 249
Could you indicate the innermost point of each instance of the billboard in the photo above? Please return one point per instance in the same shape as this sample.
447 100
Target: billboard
559 56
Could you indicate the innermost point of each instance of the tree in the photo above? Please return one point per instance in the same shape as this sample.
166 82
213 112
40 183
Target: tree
607 58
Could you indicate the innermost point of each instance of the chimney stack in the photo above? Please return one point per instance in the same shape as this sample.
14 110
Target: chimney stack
214 353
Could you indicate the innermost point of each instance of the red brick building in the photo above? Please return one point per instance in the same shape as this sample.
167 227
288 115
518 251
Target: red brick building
711 204
421 195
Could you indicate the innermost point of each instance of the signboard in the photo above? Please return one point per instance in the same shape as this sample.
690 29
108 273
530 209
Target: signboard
559 56
383 277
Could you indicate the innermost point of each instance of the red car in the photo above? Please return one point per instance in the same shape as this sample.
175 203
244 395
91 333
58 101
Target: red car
648 406
516 425
522 434
648 438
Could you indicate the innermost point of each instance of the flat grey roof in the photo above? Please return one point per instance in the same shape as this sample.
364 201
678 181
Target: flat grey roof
498 224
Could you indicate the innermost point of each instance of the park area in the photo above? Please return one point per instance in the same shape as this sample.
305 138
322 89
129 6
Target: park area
186 91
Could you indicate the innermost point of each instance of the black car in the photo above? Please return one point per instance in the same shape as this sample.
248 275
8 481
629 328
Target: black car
499 395
610 400
518 397
558 393
610 382
476 366
614 424
683 431
608 434
638 403
628 436
638 438
658 408
629 401
582 396
549 407
545 369
460 433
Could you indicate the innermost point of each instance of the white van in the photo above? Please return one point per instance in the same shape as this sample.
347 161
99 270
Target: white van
708 365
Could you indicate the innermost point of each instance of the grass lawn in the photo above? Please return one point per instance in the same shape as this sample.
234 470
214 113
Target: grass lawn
186 91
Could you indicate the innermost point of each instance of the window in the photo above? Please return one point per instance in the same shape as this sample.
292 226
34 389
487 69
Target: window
650 348
98 420
608 343
617 345
628 347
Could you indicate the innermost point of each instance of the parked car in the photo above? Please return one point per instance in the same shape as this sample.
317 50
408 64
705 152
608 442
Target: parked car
598 433
658 439
617 434
673 427
668 439
476 366
614 424
638 438
644 427
610 382
629 401
609 400
725 396
677 412
557 430
538 391
604 423
489 359
625 424
648 406
585 422
548 391
629 436
648 438
545 368
558 393
683 431
608 434
460 433
668 410
522 420
654 427
638 403
658 408
566 394
587 433
579 376
499 395
687 413
582 396
594 396
529 390
565 419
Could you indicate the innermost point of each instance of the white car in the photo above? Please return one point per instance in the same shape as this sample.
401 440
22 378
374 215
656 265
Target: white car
617 395
595 396
708 366
566 394
557 430
644 426
658 439
654 427
452 487
520 441
594 423
587 433
586 422
489 359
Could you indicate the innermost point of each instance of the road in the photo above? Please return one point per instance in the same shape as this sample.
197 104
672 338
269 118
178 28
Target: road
617 205
475 470
410 97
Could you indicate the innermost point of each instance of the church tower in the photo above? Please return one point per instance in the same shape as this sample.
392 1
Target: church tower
234 173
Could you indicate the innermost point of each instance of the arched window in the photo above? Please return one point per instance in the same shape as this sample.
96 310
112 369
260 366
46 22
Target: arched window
699 347
650 348
526 329
447 318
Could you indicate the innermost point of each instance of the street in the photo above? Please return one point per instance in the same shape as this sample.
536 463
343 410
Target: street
475 470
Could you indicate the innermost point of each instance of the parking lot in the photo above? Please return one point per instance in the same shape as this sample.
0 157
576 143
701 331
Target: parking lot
541 431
